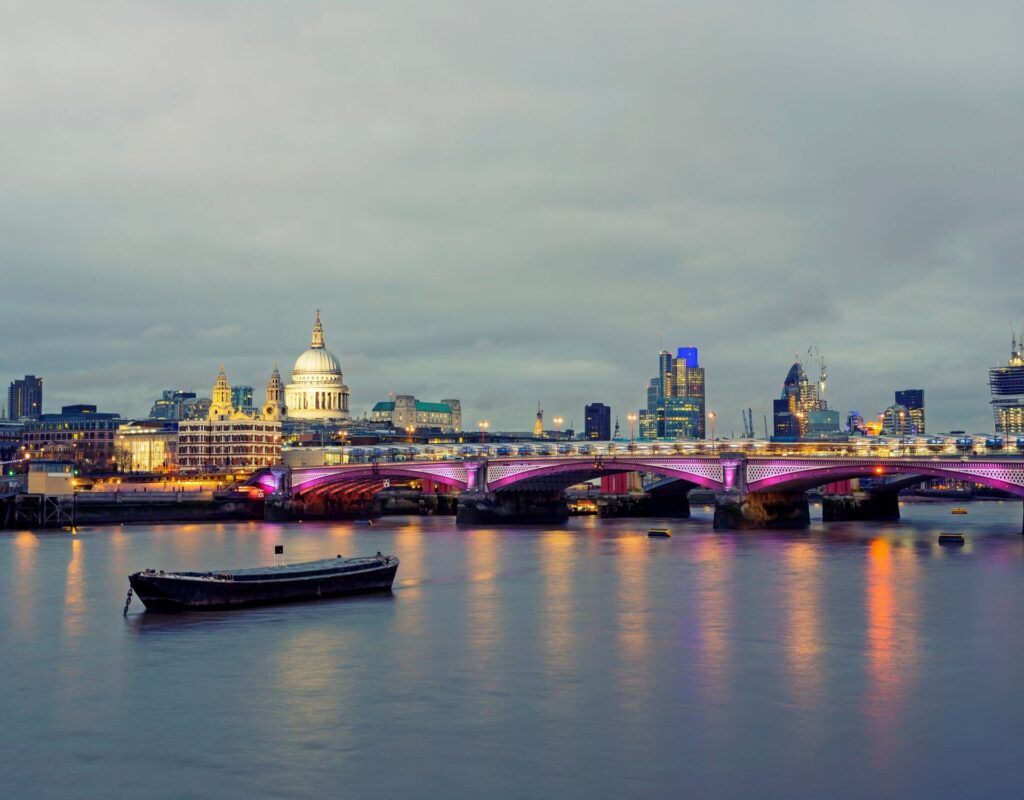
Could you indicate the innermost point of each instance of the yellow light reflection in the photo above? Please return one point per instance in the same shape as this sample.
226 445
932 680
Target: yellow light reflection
23 579
892 629
632 618
714 610
558 634
74 592
804 647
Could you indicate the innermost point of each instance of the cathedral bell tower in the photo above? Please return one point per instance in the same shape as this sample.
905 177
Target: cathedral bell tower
221 406
275 408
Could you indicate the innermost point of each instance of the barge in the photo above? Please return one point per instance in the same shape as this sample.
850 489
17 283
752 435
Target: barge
287 583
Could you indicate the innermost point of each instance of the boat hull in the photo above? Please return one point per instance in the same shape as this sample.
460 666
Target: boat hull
169 593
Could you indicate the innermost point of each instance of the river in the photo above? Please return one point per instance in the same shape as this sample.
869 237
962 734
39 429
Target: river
851 660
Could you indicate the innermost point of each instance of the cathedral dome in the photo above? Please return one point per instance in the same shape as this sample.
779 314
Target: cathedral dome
317 360
317 390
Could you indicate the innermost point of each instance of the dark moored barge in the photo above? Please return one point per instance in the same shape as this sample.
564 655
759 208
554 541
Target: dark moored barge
235 588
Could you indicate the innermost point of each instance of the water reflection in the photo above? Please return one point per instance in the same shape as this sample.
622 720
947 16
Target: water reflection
23 579
633 624
558 633
483 615
74 592
803 635
714 612
892 638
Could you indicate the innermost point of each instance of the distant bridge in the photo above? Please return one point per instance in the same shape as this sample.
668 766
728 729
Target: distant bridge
726 473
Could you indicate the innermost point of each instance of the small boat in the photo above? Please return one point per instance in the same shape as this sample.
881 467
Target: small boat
286 583
659 533
951 538
959 510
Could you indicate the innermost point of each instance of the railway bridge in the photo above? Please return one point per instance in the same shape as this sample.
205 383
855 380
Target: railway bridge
750 491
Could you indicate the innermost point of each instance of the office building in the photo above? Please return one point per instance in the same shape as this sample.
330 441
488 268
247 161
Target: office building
1007 387
25 398
791 411
913 401
241 398
406 411
896 421
675 398
147 446
79 434
175 404
597 422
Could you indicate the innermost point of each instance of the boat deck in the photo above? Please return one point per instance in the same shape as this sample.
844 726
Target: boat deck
306 569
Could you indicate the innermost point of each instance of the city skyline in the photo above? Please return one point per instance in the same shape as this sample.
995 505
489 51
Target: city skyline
472 232
727 426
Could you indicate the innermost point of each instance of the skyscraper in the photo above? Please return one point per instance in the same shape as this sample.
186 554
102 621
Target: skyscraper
25 398
597 422
675 398
1007 387
241 398
791 412
913 401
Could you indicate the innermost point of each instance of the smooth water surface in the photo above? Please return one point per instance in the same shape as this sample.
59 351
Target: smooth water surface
853 660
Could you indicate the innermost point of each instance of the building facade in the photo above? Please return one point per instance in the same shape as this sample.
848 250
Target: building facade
25 398
317 390
147 446
230 439
175 404
791 411
406 411
1007 387
10 442
896 421
241 398
78 434
675 398
597 422
913 401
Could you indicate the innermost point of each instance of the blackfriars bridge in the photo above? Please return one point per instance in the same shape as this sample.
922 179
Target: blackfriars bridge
750 491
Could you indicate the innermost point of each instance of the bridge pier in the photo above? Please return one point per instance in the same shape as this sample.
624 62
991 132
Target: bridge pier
860 506
504 508
741 510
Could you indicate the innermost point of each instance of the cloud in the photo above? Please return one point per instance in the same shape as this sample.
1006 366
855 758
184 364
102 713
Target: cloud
510 202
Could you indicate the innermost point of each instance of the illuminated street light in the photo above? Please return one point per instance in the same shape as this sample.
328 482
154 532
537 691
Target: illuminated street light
558 428
632 418
410 429
483 425
711 416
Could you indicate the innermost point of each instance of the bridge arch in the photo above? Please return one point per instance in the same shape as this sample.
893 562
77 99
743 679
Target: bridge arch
315 479
563 473
796 476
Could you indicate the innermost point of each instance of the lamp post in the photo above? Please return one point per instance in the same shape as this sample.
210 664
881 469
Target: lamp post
410 430
632 418
558 428
711 416
483 425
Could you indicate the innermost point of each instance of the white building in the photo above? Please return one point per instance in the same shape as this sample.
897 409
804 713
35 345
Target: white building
317 390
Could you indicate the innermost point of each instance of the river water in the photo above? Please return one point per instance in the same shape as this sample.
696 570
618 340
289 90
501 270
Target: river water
848 661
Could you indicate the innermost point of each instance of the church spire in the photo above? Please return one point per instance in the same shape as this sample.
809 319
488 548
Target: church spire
318 333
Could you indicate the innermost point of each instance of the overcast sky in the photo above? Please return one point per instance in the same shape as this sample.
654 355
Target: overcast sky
508 202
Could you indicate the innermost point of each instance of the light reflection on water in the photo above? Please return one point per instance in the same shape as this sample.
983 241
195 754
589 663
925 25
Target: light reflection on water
845 661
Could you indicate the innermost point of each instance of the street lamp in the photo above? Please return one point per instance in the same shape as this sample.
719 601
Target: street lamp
558 428
483 425
711 416
410 429
632 418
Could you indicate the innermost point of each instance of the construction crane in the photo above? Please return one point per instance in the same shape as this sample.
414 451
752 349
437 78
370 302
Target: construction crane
815 356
